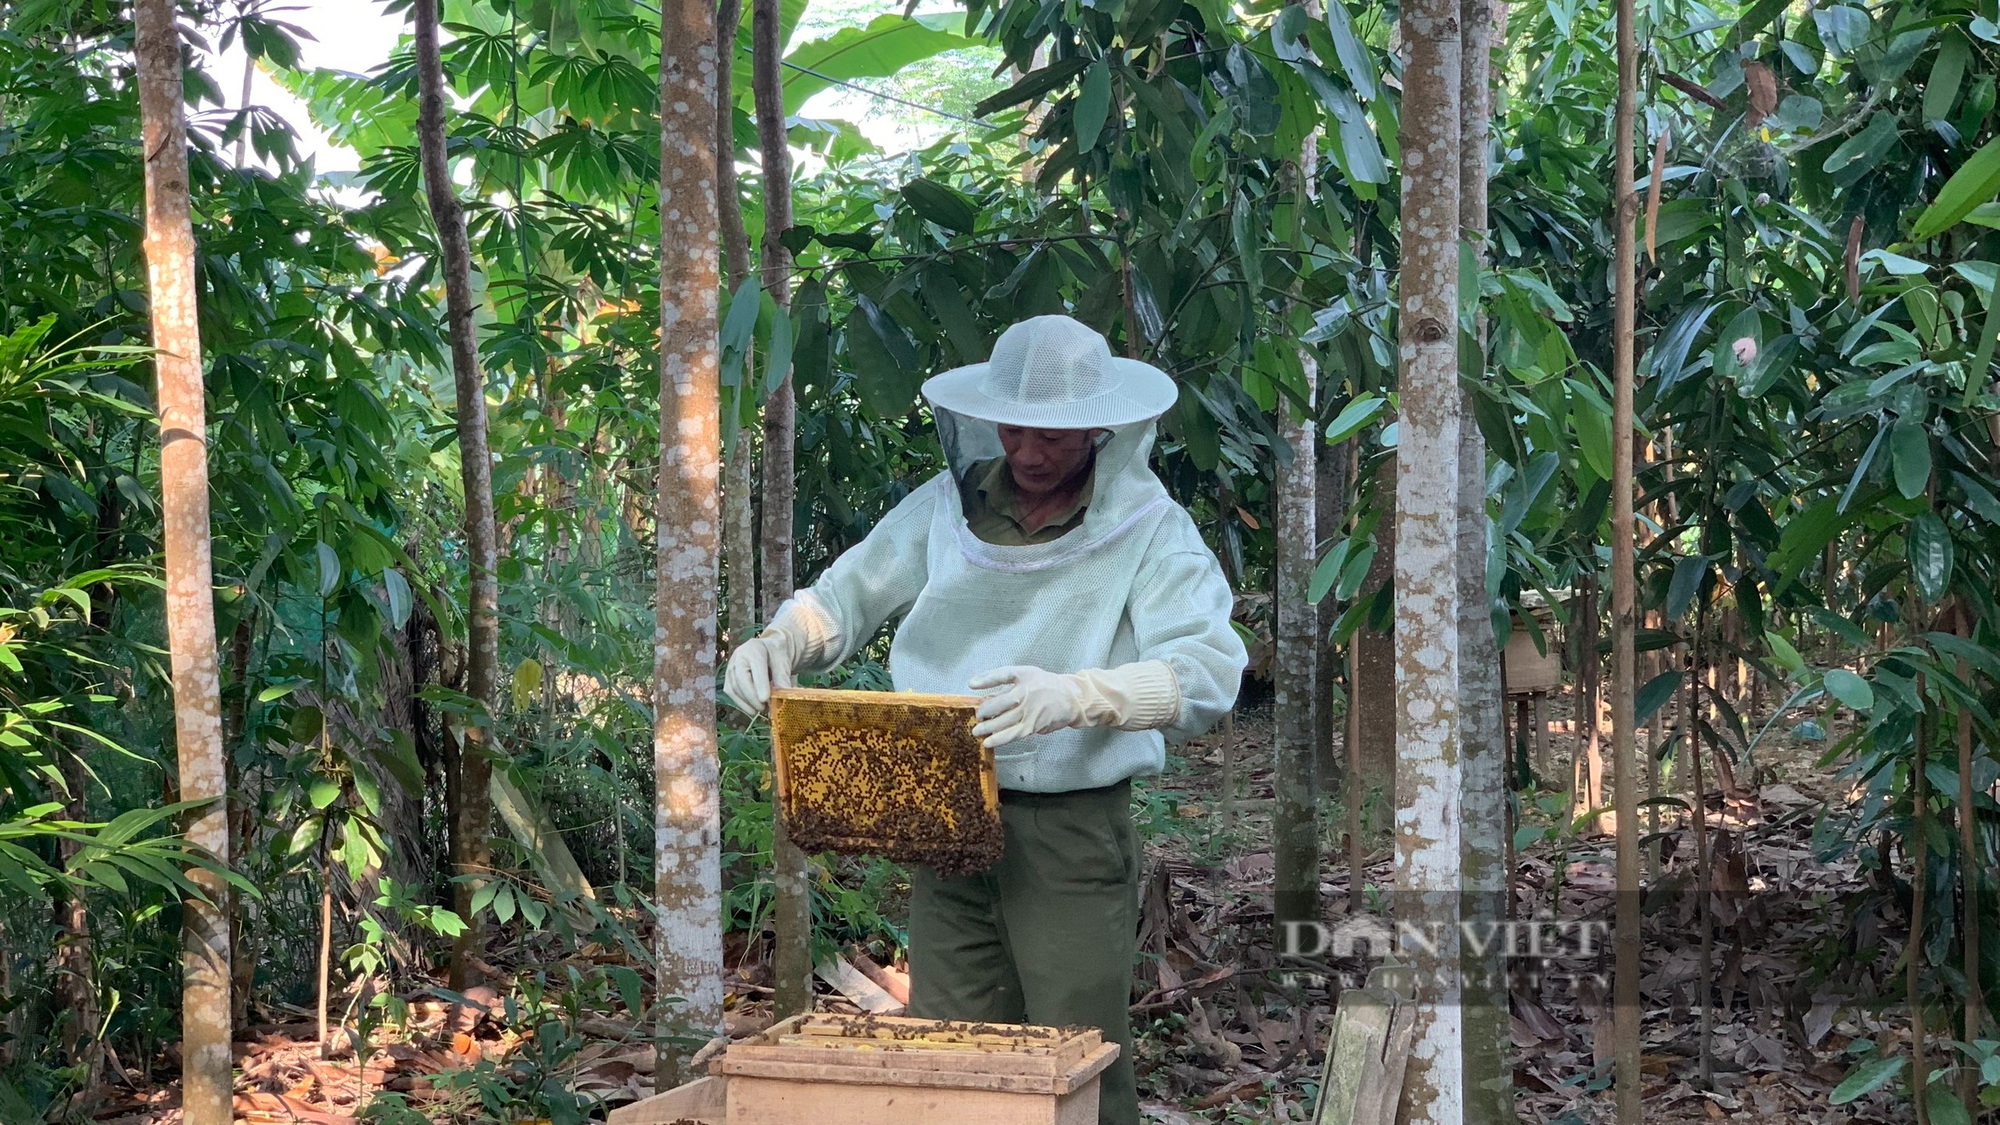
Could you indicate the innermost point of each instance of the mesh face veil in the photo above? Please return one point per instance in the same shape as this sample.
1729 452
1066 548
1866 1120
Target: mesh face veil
1056 373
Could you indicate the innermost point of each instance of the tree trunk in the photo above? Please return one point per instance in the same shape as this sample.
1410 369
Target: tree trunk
739 531
206 1064
1587 754
687 817
75 959
1969 871
1375 653
1295 629
1703 864
1330 518
1429 863
472 819
791 908
1294 821
1489 1094
1626 1007
242 818
1916 841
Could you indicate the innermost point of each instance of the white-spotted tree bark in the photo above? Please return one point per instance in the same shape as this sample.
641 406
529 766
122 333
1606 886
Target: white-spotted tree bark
791 908
472 814
206 1086
1489 1096
1429 865
687 808
1626 1007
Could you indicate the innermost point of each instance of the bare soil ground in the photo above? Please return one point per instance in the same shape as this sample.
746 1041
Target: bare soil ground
1801 961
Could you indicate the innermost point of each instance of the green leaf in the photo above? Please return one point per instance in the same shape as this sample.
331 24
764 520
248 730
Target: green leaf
1860 152
1034 85
1328 571
1755 20
1856 694
1359 411
1686 583
1655 695
1354 59
739 327
1976 182
1784 652
1355 573
941 205
1978 500
885 46
631 990
1844 28
1910 455
396 592
1947 75
1896 264
329 568
778 350
1591 417
1772 363
305 835
1930 554
1944 1106
1869 1076
884 365
323 792
355 851
1356 149
1093 105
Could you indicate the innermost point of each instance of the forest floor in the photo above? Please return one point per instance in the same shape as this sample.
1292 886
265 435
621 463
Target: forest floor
1803 954
1803 957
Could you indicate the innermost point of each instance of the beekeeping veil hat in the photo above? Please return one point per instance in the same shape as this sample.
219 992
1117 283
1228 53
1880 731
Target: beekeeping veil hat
1050 373
1054 373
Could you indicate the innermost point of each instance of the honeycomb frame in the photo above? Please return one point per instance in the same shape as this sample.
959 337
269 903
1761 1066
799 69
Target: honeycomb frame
886 773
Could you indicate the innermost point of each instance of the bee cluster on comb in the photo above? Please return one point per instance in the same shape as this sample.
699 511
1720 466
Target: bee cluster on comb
889 774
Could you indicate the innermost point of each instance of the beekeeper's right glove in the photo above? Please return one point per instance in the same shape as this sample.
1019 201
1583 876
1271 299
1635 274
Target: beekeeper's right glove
769 659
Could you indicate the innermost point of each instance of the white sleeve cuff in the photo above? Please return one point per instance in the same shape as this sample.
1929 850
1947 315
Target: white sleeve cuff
1141 696
809 631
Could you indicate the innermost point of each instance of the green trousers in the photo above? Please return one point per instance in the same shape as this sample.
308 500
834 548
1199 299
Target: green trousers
1047 935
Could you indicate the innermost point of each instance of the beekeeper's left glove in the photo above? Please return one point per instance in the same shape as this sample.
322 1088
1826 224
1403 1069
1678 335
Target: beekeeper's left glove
1031 700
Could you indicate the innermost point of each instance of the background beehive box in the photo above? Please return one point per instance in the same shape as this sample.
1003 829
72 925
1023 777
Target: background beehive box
874 1070
886 773
1528 669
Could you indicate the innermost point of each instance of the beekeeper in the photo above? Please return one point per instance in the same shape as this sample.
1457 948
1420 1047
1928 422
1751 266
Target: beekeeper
1049 571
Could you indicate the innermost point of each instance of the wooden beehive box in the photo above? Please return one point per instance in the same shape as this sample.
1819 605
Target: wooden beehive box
894 774
882 1070
1529 671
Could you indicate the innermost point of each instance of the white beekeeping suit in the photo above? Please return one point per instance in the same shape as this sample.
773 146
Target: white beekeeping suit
1102 641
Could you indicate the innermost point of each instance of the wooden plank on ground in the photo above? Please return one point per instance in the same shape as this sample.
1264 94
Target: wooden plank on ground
705 1100
1362 1083
893 981
855 985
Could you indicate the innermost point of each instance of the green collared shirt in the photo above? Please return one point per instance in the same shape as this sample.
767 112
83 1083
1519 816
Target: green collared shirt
992 508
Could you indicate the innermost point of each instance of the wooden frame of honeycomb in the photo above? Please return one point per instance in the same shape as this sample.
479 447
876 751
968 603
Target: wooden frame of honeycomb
895 774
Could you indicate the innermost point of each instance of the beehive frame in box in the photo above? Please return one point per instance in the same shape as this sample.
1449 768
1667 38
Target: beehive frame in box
894 774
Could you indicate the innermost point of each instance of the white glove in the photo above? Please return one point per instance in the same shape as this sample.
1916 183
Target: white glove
769 659
1138 696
